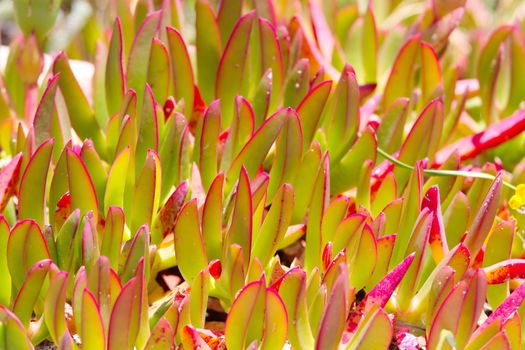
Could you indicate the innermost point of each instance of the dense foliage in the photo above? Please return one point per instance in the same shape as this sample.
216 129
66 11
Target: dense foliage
263 174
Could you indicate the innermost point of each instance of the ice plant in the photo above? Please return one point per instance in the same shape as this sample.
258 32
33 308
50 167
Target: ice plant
263 175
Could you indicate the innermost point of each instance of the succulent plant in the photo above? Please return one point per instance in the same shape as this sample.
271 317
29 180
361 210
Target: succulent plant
263 174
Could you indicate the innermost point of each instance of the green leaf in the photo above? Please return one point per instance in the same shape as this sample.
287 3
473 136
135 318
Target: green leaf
208 147
228 14
276 320
318 203
32 192
116 183
148 129
431 77
292 290
14 336
81 114
113 233
139 56
274 226
375 331
147 192
96 169
255 151
341 117
43 121
422 141
125 317
241 130
25 247
199 298
390 131
115 81
162 336
482 222
65 241
81 188
189 243
240 230
159 76
343 172
310 111
138 250
55 301
28 295
212 219
288 153
182 72
271 58
92 331
231 70
5 277
401 79
332 322
208 47
499 248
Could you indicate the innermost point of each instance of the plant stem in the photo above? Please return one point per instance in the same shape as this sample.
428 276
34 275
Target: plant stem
434 172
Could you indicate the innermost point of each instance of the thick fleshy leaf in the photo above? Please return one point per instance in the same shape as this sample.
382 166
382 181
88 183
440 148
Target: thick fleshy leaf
332 323
341 120
208 148
189 244
81 114
65 241
125 318
54 306
245 319
365 148
14 334
208 47
390 131
148 129
499 248
42 123
310 110
25 247
181 70
254 152
116 183
96 169
417 244
138 250
147 192
422 141
32 192
29 293
318 203
231 70
159 77
288 154
137 67
292 290
92 331
401 79
5 277
199 298
212 219
375 331
482 222
274 226
275 321
115 81
81 188
228 14
271 58
162 336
